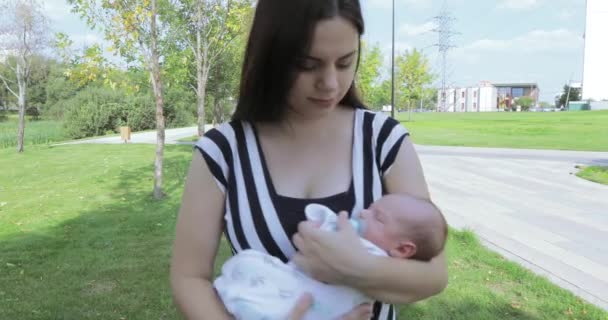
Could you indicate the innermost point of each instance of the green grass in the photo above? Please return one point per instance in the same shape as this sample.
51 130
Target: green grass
81 238
597 174
587 131
189 139
36 132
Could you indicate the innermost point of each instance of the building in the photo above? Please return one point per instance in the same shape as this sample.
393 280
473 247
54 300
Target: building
509 92
595 64
486 97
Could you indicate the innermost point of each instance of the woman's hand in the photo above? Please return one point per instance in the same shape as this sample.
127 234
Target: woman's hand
302 305
330 257
362 312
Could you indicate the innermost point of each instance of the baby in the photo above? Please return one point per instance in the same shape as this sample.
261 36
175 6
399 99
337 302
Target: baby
257 286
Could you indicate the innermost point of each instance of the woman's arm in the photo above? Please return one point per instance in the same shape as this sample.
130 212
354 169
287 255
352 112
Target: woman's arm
403 281
197 237
331 257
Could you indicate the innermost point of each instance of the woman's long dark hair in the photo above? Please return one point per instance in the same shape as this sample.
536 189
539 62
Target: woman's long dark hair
282 32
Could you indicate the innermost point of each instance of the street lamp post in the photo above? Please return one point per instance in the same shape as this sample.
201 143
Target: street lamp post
393 67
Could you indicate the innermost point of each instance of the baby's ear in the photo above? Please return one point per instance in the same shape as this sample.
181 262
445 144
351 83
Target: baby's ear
404 250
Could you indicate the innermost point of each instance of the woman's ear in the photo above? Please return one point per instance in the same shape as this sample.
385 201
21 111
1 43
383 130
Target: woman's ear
404 250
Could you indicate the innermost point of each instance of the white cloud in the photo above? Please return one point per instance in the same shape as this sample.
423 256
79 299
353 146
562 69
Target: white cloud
532 42
416 30
518 4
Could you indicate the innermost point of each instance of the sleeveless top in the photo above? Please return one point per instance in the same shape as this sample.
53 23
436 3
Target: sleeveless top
256 217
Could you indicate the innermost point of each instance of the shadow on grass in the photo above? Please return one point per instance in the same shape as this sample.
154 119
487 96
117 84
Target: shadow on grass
111 262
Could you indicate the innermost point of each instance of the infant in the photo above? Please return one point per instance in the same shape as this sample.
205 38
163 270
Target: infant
257 286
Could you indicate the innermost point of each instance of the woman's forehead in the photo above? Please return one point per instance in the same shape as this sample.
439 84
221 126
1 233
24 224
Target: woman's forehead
334 38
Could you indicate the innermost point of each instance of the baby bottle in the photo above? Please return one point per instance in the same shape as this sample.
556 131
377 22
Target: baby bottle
328 218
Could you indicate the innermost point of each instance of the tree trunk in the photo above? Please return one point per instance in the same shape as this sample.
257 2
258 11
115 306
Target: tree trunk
21 101
201 88
157 87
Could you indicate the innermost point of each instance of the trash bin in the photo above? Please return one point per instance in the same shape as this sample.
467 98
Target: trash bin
125 134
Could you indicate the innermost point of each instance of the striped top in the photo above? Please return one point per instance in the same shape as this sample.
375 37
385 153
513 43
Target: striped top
259 218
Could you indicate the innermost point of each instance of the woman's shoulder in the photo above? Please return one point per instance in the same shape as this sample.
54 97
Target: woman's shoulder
380 119
222 133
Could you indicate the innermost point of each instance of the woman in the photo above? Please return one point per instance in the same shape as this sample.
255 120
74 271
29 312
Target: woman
299 135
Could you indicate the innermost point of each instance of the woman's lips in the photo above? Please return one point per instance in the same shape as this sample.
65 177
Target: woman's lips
322 102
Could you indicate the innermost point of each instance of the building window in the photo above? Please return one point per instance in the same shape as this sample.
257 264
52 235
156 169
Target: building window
474 105
462 106
517 92
463 94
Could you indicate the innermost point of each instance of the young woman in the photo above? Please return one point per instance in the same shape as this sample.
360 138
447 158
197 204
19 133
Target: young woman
299 135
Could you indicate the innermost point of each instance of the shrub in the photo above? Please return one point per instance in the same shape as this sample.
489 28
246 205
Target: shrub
33 113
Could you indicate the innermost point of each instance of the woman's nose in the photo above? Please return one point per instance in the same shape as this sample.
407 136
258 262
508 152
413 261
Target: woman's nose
328 80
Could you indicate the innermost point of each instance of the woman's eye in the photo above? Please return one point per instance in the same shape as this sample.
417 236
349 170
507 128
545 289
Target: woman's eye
307 65
344 65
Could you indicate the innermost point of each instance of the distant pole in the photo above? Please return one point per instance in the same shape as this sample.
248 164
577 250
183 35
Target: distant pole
568 94
444 23
393 67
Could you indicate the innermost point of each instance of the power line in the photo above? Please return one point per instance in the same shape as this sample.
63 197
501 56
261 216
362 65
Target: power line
444 28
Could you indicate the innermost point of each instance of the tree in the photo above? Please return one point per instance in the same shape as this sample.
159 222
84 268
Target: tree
525 102
412 76
23 32
369 73
569 94
207 28
133 29
224 79
381 95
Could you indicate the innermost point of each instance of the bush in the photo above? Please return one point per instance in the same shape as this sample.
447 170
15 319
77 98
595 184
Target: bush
93 111
99 110
33 113
180 107
140 113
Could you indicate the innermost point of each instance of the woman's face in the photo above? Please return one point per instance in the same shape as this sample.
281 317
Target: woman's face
326 74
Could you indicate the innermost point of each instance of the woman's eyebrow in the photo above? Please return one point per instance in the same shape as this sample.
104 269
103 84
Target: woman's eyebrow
348 55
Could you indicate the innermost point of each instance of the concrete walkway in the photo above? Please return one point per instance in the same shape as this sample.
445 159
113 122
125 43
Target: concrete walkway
171 137
525 204
530 207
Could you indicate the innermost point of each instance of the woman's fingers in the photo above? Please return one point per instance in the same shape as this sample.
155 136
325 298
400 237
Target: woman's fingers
299 310
362 312
298 241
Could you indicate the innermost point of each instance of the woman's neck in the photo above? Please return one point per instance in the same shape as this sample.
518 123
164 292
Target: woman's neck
296 126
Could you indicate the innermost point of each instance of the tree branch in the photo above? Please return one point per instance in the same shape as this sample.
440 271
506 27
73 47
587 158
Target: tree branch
7 86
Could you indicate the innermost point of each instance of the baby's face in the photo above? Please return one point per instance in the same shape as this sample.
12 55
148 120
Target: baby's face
382 224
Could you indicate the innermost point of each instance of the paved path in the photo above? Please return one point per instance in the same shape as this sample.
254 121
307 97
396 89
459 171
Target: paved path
525 204
171 137
530 207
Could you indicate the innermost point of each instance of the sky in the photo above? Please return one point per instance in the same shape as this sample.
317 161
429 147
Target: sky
532 41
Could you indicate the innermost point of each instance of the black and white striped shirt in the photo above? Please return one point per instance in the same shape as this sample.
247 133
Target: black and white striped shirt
259 218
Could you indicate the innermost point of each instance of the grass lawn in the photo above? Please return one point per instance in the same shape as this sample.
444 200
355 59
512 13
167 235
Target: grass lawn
82 238
597 174
586 130
189 139
36 132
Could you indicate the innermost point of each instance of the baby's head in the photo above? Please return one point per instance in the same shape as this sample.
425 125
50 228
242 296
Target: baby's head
405 227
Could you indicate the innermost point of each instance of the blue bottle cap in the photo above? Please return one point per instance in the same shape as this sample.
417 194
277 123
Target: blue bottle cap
358 225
